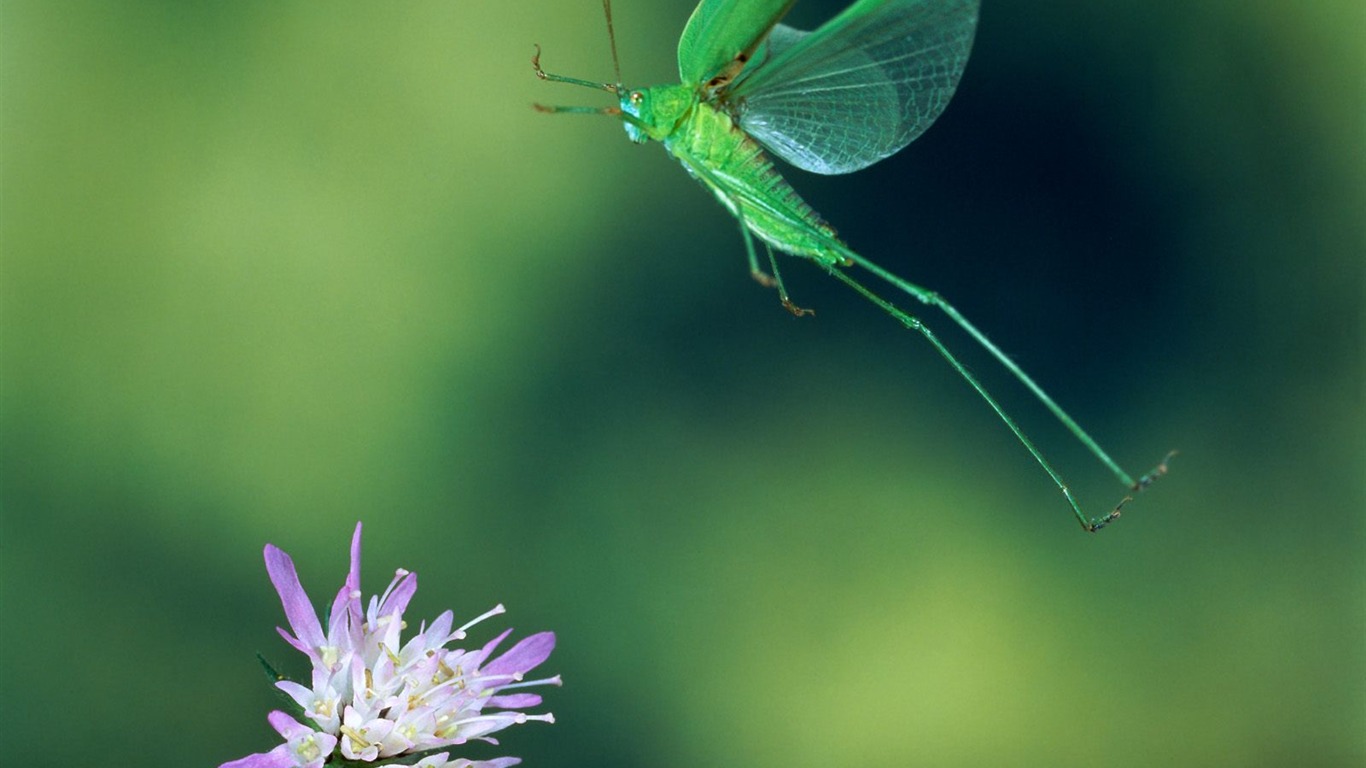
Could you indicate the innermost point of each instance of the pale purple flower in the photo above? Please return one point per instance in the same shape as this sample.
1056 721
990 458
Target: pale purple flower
374 697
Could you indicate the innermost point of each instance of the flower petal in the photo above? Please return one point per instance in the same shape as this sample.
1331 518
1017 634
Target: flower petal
348 602
298 610
476 658
523 656
514 701
397 601
280 757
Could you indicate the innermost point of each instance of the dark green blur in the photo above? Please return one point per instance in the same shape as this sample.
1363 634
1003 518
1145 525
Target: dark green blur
271 268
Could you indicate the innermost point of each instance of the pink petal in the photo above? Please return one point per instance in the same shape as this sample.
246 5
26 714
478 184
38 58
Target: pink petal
348 598
497 762
298 610
287 726
513 701
397 601
477 657
523 656
439 632
280 757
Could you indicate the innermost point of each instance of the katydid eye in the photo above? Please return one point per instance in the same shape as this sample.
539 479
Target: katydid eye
637 97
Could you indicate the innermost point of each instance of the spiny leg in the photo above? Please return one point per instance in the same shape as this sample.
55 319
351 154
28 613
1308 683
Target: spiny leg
760 276
731 197
1139 486
541 73
1087 523
550 109
768 281
782 291
1161 469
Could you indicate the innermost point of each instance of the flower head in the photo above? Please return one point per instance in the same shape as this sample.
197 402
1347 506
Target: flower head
374 696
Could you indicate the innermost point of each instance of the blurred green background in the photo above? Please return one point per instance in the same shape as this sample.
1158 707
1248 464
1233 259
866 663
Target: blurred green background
271 268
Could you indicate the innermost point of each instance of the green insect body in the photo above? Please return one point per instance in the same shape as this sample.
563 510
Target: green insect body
835 100
715 151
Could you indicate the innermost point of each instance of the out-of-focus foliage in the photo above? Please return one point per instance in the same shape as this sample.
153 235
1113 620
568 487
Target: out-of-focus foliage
270 268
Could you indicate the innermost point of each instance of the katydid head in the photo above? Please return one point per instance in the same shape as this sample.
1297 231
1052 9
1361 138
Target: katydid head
653 113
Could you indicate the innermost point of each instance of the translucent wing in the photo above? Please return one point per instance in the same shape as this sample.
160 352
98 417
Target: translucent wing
859 88
721 30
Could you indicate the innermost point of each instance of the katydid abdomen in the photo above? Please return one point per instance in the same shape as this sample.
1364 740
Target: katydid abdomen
714 149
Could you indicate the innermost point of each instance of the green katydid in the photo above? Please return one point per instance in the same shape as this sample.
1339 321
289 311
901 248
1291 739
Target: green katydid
834 100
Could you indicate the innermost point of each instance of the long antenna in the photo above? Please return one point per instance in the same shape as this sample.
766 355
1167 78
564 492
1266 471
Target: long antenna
612 38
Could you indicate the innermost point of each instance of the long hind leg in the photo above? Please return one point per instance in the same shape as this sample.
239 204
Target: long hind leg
1088 523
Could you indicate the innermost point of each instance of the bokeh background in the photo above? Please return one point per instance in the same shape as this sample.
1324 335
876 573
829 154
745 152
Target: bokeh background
271 268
